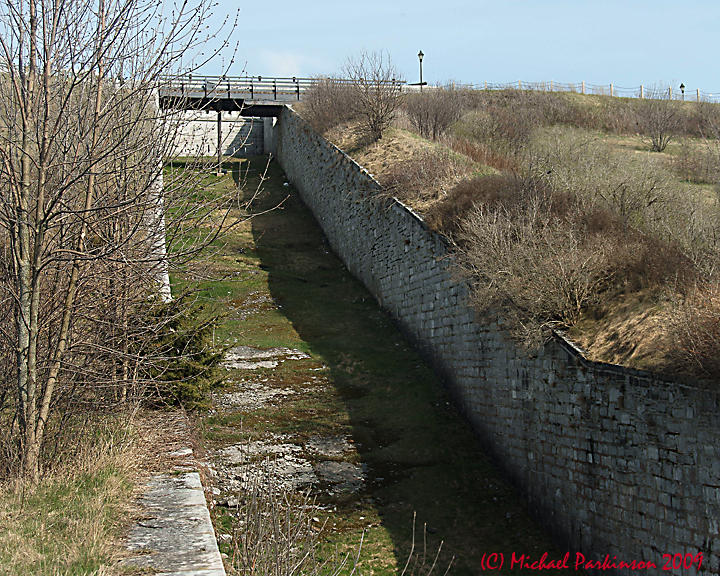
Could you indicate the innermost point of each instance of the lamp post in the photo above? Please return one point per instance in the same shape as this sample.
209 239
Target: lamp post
682 89
420 57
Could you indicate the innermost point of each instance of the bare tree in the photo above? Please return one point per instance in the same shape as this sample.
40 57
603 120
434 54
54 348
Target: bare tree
376 91
82 213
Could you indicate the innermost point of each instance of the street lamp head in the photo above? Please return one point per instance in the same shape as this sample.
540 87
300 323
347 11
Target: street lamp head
420 55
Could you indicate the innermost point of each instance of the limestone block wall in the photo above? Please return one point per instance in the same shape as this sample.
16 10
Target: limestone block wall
197 134
616 461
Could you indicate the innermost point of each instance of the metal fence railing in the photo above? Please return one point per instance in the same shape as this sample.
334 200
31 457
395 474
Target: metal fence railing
292 88
243 87
642 91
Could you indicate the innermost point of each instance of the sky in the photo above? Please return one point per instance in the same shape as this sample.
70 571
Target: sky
626 42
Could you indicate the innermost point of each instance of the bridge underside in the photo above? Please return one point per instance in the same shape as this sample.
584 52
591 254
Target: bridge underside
257 109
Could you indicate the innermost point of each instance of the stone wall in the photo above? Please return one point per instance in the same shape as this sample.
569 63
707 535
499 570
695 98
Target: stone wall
615 461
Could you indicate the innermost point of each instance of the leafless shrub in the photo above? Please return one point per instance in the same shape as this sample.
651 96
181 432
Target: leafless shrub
693 227
449 214
658 119
588 169
694 326
698 163
275 535
425 176
433 111
376 91
328 103
506 129
533 266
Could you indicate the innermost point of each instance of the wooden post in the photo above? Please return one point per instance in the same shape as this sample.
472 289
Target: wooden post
219 143
519 84
642 91
551 85
485 84
669 92
698 94
612 90
583 86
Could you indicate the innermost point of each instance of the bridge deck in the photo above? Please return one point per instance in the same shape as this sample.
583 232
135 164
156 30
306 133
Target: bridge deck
236 93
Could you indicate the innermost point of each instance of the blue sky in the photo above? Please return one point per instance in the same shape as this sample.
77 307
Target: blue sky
625 42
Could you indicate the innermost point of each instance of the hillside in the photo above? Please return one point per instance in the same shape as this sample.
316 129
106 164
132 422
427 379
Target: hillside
592 215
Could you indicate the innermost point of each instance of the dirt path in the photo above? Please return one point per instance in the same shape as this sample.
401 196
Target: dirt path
324 393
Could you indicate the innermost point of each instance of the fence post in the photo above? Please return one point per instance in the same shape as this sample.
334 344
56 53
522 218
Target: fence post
698 94
519 84
551 85
485 84
669 92
612 90
583 86
642 91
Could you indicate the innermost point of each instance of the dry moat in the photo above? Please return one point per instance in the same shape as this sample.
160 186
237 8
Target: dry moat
323 393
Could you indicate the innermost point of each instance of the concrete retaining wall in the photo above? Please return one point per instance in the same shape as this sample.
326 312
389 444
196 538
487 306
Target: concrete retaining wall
617 462
241 136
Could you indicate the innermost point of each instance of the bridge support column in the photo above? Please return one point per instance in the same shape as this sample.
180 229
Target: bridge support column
219 143
269 135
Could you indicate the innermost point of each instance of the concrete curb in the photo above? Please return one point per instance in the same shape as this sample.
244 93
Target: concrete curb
176 538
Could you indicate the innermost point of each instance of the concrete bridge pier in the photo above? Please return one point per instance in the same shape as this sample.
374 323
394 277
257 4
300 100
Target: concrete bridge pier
269 135
219 142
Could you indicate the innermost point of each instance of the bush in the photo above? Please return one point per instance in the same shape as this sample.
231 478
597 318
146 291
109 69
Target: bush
695 330
433 112
424 176
376 92
537 270
698 162
541 255
183 364
448 215
658 119
327 104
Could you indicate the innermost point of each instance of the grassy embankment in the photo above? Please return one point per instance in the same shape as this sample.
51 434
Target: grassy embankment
559 205
278 285
73 522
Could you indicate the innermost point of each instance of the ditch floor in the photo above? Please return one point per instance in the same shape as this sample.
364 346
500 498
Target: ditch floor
321 393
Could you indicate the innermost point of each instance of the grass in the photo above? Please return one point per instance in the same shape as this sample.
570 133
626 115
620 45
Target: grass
75 520
280 285
72 522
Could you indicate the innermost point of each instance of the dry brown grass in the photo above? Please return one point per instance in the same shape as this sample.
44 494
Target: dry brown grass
74 520
627 329
415 170
694 327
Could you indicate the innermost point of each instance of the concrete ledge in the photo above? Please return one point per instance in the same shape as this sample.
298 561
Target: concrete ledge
176 537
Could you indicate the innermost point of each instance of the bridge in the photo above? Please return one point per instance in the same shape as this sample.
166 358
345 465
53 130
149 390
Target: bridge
257 96
250 96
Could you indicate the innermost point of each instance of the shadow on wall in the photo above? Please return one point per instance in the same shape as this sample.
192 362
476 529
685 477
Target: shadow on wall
420 454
